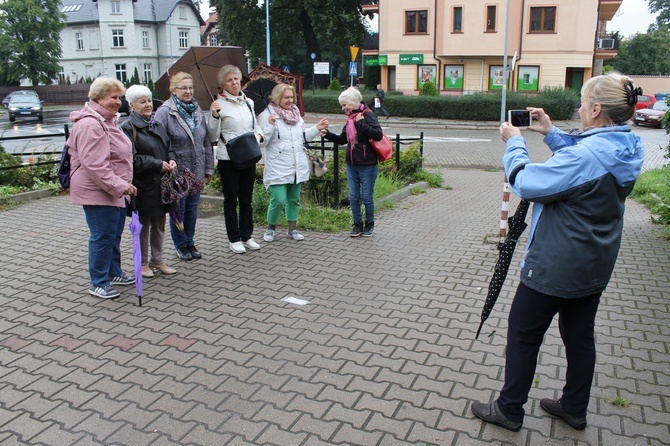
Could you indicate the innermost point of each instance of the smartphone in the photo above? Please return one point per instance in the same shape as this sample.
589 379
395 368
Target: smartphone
519 118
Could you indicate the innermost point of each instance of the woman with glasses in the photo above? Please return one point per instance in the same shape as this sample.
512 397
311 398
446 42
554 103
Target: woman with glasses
185 124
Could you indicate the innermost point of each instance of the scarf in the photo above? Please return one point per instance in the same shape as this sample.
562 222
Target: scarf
352 135
187 111
290 116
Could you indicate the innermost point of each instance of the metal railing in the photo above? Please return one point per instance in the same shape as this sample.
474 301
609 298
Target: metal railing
66 134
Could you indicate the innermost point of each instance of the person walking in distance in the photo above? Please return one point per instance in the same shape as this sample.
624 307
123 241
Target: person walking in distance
379 102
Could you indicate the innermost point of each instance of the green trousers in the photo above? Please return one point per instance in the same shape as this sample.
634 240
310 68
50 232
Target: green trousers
284 196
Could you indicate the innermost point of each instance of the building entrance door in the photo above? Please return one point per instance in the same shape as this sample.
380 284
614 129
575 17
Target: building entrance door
574 78
391 75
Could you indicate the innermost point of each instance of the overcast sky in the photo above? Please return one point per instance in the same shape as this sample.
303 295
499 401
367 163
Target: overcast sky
632 17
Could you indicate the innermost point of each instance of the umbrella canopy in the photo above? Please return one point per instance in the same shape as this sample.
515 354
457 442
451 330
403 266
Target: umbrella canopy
203 63
517 225
263 79
135 228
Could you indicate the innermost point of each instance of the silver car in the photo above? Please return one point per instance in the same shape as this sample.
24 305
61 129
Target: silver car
5 102
25 105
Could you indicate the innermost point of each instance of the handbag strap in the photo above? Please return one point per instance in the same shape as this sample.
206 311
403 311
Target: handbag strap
253 121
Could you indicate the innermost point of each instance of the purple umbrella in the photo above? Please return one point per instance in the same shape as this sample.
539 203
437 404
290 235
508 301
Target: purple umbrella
135 227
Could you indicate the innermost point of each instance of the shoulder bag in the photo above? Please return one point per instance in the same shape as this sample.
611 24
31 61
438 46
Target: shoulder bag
244 150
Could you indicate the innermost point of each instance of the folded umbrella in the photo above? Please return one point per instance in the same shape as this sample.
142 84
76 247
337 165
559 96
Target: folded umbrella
517 225
263 79
135 228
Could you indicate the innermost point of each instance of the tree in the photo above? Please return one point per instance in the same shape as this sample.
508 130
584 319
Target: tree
662 7
644 53
298 28
30 40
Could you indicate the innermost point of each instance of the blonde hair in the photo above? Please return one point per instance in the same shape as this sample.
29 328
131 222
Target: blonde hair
613 92
135 92
351 97
178 77
103 86
225 71
278 93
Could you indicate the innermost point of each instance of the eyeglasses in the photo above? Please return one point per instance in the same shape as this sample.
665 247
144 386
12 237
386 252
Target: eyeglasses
185 88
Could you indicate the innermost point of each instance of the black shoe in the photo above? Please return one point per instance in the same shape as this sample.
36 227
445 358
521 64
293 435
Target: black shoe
554 408
184 253
195 254
489 412
357 230
369 228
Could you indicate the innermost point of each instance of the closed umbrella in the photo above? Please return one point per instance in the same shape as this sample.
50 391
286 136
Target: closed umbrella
135 228
517 225
263 79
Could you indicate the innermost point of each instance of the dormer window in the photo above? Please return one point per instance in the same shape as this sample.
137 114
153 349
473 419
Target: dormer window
116 6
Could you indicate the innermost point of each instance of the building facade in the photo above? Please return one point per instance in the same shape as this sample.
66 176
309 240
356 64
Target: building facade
113 37
460 46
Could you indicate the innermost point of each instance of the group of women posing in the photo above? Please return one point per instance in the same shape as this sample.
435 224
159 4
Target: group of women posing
111 163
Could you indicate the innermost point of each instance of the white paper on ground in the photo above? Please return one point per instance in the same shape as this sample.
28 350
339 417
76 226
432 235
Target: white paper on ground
295 300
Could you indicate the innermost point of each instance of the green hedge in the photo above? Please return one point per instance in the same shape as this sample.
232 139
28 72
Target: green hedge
559 103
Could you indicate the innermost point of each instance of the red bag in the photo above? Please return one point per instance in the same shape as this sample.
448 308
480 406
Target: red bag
383 148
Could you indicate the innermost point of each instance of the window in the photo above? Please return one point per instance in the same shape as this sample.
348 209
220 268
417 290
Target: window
416 22
120 71
457 26
182 12
116 7
490 19
212 40
117 38
183 39
61 75
145 39
147 73
79 37
542 20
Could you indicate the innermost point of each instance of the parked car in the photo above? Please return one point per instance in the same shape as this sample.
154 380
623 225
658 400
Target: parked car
5 102
25 105
661 96
652 116
645 101
125 107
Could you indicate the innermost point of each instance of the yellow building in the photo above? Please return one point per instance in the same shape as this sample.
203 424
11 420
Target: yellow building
459 45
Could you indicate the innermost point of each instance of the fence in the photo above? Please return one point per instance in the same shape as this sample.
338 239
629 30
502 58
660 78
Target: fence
66 133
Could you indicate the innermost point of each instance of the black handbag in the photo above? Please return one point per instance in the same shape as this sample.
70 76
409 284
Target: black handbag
243 150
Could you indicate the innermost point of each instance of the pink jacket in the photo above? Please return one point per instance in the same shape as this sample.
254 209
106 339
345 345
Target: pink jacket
101 166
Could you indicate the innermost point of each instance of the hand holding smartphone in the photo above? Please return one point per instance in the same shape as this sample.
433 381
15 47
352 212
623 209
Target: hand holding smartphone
519 118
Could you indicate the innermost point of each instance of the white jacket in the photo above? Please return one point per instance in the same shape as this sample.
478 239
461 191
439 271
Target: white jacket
285 158
234 120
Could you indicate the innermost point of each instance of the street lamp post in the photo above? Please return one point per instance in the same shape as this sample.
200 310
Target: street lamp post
267 31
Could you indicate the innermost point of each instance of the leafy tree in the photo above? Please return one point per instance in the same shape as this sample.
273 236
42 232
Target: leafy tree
644 53
662 7
30 40
134 79
298 28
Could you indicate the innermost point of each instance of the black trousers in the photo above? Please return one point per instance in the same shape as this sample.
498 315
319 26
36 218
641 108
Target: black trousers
238 188
529 318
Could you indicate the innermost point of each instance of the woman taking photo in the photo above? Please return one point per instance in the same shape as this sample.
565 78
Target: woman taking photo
101 165
361 158
286 163
578 200
185 124
152 156
232 115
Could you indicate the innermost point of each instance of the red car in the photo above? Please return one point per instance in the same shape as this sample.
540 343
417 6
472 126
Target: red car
645 101
652 116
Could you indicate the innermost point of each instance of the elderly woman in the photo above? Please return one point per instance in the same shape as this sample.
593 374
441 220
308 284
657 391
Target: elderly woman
579 196
361 159
185 124
286 163
232 115
152 156
102 169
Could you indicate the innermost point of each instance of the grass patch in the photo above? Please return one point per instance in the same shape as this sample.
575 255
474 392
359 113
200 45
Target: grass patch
620 401
653 190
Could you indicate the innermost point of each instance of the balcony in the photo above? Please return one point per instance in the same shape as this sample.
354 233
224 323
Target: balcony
607 9
607 46
370 6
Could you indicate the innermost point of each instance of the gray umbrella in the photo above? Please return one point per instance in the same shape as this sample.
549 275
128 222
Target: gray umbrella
517 225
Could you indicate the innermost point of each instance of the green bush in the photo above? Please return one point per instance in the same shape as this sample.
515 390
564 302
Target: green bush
335 85
428 89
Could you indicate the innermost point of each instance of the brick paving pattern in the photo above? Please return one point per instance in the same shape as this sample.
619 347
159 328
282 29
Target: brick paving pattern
383 354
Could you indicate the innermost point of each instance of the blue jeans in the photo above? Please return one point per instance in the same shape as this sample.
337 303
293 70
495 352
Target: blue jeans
361 179
104 244
189 214
529 318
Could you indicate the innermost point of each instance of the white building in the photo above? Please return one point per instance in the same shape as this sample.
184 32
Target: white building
113 37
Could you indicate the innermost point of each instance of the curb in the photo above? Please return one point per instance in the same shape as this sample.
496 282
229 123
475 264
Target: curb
26 196
402 193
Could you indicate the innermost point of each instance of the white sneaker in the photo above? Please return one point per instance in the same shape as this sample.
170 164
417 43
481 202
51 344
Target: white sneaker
295 235
252 245
237 248
269 235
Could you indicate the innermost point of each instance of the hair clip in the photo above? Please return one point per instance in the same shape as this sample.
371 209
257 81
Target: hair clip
631 93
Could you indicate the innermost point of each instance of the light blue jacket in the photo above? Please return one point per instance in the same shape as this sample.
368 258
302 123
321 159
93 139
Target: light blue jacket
578 196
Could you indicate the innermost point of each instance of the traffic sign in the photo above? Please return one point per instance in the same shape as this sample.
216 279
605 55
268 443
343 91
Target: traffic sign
353 68
321 67
354 52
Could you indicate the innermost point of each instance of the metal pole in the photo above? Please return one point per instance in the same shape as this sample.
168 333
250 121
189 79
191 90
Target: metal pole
503 102
267 31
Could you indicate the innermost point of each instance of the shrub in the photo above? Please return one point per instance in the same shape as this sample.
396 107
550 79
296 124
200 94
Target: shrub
335 85
428 89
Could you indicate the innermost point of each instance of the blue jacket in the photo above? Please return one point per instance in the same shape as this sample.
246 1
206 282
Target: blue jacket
578 196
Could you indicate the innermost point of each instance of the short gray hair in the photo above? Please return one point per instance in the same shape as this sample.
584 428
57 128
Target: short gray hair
351 97
225 71
135 92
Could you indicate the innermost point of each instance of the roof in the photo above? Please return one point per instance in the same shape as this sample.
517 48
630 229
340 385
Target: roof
149 11
210 23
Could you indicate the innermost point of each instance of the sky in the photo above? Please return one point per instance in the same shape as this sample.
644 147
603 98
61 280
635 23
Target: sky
632 17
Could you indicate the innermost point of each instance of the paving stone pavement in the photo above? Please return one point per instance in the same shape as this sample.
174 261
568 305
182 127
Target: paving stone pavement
383 354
